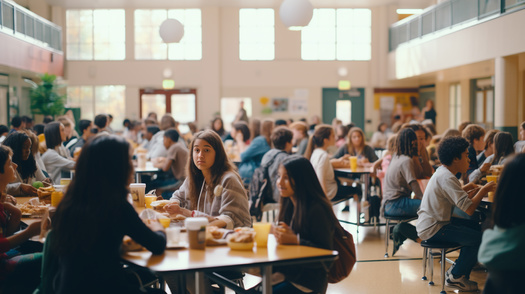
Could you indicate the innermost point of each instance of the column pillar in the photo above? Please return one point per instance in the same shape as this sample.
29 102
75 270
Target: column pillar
506 70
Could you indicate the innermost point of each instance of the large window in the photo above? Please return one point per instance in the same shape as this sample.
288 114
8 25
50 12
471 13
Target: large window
99 99
256 34
338 34
98 34
230 107
149 45
454 106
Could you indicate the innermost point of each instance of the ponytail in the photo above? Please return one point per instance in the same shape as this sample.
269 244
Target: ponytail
317 139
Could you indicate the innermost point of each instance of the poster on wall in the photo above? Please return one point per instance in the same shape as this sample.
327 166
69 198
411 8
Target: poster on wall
280 104
299 106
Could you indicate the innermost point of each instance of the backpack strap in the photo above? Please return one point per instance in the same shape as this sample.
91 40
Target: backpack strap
269 163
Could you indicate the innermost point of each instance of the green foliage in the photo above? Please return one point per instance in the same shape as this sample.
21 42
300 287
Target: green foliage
45 98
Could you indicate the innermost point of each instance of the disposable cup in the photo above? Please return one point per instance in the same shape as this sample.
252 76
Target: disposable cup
165 221
137 191
353 163
196 227
149 199
173 235
261 233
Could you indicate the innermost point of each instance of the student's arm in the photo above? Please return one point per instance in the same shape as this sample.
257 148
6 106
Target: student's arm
162 163
489 187
32 230
427 169
14 220
341 162
416 189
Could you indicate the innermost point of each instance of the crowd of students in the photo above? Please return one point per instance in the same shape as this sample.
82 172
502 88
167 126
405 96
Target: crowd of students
195 169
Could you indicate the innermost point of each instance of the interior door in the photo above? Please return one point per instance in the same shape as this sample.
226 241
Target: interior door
181 103
348 106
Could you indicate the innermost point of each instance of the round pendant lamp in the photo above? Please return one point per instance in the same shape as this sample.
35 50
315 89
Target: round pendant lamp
171 31
296 14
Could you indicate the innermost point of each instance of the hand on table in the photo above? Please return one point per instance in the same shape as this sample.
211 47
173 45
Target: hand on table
47 182
284 234
489 187
155 226
485 167
173 208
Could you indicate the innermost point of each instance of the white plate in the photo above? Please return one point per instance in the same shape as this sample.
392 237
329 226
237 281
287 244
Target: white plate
179 245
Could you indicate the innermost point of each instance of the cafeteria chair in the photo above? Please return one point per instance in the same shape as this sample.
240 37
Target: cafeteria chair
273 208
444 248
231 278
396 220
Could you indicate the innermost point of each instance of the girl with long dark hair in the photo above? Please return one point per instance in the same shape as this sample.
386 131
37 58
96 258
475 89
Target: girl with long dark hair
92 219
27 171
306 218
56 158
212 188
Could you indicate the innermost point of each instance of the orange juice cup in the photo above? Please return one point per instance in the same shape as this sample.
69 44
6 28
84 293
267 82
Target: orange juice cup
261 233
148 199
353 163
56 197
65 181
492 178
165 222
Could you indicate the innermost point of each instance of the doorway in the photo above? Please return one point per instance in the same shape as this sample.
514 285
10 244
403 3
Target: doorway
181 103
483 103
348 106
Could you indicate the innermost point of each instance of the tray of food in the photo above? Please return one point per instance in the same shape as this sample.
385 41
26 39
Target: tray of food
33 209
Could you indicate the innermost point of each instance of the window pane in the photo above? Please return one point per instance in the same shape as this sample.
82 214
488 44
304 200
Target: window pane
153 103
256 34
230 107
111 100
183 107
81 97
344 111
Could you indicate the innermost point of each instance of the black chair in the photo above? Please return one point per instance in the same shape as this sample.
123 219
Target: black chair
444 248
396 219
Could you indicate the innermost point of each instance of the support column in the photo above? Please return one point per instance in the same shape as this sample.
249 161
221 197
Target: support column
506 95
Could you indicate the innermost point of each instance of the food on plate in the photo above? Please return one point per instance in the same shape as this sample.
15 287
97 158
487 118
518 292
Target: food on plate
38 184
44 193
33 210
159 204
178 217
241 239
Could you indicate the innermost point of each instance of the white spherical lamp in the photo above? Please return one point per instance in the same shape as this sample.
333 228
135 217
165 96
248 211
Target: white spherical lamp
296 14
171 31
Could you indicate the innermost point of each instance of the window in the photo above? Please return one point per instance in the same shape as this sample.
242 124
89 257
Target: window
338 34
256 34
149 45
230 107
455 106
99 99
98 34
344 111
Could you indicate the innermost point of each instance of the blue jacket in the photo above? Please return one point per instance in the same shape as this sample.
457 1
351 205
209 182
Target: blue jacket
251 157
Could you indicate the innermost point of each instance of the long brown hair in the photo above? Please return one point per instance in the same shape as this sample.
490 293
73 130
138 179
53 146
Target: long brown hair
351 149
266 130
221 165
317 139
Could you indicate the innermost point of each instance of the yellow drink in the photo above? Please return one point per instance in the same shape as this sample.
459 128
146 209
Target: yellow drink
492 178
165 222
353 163
261 233
148 199
65 182
56 197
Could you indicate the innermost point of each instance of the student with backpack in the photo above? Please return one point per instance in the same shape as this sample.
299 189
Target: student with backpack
306 218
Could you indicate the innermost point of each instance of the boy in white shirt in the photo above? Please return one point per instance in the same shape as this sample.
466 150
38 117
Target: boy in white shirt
443 193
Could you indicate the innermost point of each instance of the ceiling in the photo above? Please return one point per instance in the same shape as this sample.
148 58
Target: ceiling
233 3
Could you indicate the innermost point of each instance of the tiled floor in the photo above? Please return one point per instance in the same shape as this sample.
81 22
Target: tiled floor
375 274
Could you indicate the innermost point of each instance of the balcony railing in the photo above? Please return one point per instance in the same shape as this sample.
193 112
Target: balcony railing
24 24
449 15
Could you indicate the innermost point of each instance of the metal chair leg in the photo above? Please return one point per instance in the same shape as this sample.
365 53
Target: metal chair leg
443 262
431 266
387 236
425 259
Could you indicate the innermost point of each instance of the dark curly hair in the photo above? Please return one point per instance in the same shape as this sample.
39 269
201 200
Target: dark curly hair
451 148
405 143
26 168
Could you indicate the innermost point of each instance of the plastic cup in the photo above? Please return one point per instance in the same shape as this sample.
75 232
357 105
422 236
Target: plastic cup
492 178
353 163
148 199
165 222
196 227
141 160
173 235
65 181
137 191
261 233
56 197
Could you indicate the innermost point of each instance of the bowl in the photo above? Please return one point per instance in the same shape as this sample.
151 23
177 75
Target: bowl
240 246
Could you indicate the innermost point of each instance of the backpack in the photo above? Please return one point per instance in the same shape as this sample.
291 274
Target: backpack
342 266
261 189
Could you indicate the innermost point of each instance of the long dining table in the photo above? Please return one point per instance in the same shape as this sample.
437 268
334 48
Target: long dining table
217 258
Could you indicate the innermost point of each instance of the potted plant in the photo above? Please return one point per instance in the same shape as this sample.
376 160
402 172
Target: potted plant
45 98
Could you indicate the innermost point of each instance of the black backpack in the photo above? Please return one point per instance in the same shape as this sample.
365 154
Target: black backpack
261 189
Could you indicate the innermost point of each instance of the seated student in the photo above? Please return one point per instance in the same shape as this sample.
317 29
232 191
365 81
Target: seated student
253 154
399 183
300 136
322 138
489 147
4 131
85 127
443 193
423 137
101 122
519 146
212 188
501 249
54 160
241 134
217 125
379 137
306 218
157 148
150 133
282 147
27 171
18 273
69 130
502 146
92 219
475 135
174 164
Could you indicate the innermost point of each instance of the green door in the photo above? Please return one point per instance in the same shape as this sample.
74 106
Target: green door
351 106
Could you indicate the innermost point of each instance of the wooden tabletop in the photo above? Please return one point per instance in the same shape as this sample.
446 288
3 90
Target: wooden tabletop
358 171
223 257
148 169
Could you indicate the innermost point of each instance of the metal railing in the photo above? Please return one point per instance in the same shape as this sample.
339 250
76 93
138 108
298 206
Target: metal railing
447 15
24 24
